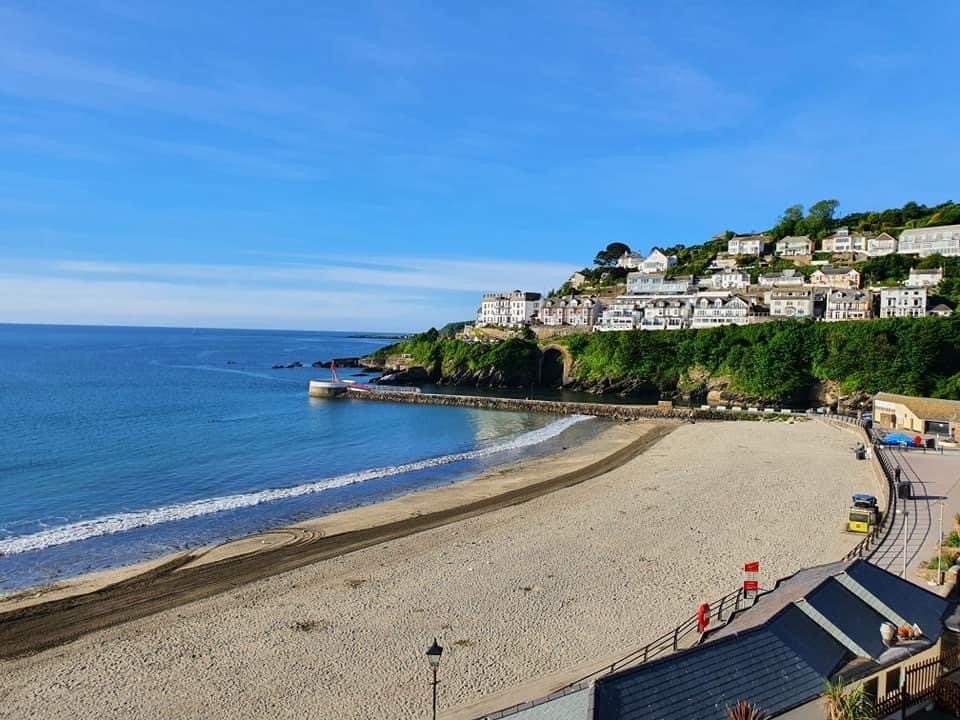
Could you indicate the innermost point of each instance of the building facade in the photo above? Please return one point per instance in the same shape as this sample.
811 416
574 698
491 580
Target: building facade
734 310
657 262
882 244
574 311
795 303
624 313
511 309
903 302
667 314
844 241
835 277
794 245
746 245
729 280
944 240
847 305
785 278
924 278
639 283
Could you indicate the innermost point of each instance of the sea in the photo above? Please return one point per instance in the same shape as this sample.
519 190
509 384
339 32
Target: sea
124 444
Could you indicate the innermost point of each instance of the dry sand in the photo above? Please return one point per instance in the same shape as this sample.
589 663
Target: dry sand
512 594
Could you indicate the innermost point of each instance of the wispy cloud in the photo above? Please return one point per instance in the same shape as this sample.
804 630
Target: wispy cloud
336 293
373 274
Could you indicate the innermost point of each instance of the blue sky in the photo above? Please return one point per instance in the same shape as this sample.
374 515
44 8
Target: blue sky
378 165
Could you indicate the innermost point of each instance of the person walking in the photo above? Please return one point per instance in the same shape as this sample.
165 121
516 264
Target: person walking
896 474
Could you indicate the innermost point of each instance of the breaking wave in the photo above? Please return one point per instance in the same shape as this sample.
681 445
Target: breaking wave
121 522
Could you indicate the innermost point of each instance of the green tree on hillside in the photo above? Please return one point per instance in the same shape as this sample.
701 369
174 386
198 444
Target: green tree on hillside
608 256
790 223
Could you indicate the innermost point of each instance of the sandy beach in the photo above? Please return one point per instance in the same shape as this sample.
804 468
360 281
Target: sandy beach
512 593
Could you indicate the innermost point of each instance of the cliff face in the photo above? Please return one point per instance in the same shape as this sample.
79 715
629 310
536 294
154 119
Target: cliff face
791 363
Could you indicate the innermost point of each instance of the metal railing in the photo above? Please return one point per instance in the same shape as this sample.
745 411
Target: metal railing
669 641
878 534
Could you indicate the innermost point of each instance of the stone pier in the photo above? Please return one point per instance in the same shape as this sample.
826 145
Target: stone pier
614 411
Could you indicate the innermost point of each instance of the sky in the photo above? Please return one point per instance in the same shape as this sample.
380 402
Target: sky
379 165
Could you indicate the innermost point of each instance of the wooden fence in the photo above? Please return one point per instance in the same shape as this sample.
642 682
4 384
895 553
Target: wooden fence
920 684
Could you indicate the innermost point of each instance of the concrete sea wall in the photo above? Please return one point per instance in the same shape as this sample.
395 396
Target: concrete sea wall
663 411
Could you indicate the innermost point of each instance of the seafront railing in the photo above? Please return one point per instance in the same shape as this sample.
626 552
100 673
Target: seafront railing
677 639
724 608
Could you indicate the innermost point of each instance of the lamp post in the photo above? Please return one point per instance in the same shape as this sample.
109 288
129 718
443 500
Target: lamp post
940 548
906 515
433 657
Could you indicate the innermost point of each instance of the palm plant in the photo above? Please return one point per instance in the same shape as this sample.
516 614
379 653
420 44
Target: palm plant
745 711
843 705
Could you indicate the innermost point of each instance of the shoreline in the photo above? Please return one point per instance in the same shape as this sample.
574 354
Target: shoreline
43 617
516 595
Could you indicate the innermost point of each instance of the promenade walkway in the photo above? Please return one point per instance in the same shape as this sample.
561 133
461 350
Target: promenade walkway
914 538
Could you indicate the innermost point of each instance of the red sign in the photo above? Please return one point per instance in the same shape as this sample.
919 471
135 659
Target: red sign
751 586
752 566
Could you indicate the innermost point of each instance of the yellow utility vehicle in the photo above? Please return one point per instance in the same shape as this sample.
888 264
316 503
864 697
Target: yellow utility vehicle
863 515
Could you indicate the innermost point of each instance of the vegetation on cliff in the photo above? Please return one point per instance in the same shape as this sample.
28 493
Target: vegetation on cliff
775 361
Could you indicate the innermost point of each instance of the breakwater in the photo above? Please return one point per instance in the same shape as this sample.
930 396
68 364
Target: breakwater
662 411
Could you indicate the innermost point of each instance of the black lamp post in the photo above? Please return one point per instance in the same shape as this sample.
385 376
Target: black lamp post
433 656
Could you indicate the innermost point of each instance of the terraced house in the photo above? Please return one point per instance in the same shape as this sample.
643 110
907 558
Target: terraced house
944 240
849 304
576 311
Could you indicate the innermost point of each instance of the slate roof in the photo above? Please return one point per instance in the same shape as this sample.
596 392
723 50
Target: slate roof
699 683
780 653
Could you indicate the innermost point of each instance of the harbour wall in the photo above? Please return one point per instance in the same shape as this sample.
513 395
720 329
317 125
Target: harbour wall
663 410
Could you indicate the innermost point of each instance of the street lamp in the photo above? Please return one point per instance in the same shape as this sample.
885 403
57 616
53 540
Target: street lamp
906 515
433 657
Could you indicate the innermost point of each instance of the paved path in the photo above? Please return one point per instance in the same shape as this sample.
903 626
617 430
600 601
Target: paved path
934 477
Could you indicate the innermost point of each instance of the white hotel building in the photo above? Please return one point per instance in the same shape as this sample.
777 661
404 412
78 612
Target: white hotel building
511 309
930 240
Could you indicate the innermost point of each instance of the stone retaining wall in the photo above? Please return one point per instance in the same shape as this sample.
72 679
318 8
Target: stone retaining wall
607 410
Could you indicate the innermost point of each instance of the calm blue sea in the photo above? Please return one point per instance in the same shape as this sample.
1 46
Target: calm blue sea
123 444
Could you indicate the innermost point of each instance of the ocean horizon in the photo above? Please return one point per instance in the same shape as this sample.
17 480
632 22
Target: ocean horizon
124 444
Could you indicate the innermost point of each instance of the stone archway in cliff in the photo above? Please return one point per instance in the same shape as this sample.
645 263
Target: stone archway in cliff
555 365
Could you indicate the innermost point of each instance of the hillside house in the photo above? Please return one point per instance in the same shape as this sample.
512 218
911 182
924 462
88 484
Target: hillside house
849 304
732 310
577 280
794 245
575 311
667 314
640 283
728 279
829 276
630 260
657 262
844 241
746 245
924 278
784 278
795 303
511 309
624 313
903 302
944 240
882 244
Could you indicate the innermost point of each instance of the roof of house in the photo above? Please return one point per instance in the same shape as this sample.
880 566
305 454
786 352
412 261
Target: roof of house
780 653
925 408
796 238
830 270
941 308
848 294
926 271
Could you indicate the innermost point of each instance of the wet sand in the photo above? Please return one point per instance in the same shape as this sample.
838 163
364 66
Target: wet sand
513 591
